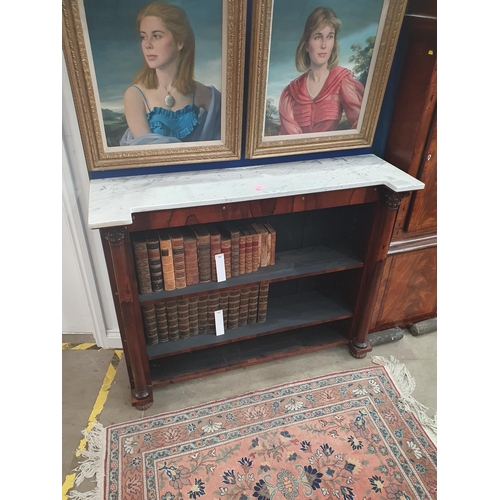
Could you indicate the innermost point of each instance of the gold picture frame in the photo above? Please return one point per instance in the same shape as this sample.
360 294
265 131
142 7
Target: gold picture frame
91 34
277 26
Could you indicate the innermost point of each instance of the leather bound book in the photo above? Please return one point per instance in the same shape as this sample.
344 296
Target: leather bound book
161 321
178 257
244 301
264 234
272 258
190 256
154 256
235 249
213 305
248 237
140 253
173 320
203 314
256 245
149 323
242 252
234 309
193 315
225 244
253 303
224 305
183 315
215 248
262 306
203 243
167 260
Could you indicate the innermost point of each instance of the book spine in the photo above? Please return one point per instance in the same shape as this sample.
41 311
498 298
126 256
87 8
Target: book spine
203 244
224 305
234 309
178 257
272 254
263 243
183 315
235 250
193 315
191 259
262 306
248 253
149 322
226 250
161 321
140 252
253 302
154 257
213 305
173 320
167 261
244 301
256 245
242 252
215 249
203 314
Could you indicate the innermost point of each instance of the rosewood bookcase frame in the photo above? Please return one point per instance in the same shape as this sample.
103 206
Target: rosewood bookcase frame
144 363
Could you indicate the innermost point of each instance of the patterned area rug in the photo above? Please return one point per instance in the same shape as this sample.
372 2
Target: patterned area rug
354 435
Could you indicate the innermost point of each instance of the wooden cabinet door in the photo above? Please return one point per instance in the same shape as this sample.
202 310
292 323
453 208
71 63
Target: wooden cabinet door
422 214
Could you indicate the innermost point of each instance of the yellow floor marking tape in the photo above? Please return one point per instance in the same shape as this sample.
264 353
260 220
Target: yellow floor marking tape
96 411
70 346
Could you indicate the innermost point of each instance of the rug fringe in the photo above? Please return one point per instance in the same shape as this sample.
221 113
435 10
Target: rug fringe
406 385
92 465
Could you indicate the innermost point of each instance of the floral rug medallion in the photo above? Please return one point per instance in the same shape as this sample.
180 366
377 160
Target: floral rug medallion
340 436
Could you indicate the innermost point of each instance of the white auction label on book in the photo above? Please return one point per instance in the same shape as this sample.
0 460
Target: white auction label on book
219 322
220 267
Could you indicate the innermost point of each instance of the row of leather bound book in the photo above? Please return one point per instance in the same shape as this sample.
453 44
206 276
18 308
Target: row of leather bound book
174 258
181 318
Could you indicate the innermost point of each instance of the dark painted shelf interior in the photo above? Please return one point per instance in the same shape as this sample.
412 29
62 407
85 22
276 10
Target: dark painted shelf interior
243 353
283 313
289 264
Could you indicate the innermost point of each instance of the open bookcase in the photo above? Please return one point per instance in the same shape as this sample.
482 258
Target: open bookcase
329 249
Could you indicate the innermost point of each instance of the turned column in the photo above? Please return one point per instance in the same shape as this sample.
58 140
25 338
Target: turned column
130 318
378 245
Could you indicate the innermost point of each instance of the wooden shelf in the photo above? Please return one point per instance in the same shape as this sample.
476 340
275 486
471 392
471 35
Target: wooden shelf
283 313
247 352
289 265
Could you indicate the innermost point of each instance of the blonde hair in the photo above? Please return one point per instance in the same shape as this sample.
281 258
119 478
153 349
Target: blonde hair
317 20
176 21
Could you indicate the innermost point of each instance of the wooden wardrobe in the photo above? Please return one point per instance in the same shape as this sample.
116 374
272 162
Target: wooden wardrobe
408 288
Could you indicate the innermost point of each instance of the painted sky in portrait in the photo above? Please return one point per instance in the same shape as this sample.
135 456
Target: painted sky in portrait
359 18
116 49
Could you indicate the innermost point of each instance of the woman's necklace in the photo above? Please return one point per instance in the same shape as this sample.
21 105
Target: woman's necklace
317 84
169 98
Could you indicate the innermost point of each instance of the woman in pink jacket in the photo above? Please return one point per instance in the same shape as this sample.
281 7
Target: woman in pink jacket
314 102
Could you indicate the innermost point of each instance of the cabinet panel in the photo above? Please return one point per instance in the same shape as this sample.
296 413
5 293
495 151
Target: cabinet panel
422 214
408 291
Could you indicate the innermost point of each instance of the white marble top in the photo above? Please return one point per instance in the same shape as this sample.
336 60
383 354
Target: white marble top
114 200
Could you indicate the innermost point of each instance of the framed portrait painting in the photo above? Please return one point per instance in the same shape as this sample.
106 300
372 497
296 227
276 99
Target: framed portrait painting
319 69
156 83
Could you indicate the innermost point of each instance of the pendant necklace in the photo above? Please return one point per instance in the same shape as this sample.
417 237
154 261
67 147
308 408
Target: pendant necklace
169 98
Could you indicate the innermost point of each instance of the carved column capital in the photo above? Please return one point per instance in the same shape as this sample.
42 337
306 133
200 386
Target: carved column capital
393 199
115 236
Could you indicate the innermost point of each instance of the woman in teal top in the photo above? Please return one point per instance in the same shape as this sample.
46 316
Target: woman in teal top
165 104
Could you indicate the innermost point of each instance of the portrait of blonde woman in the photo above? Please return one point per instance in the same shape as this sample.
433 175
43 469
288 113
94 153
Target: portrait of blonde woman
165 104
325 91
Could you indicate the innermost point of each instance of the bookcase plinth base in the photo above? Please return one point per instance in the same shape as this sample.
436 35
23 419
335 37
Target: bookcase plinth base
359 352
145 403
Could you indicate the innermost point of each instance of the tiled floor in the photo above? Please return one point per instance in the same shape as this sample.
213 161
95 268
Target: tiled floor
85 371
